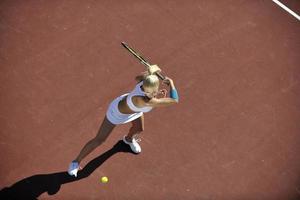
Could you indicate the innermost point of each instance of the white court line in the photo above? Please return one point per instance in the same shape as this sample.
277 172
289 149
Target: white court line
286 9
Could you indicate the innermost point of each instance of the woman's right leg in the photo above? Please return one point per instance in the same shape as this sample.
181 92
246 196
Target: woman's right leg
104 131
138 125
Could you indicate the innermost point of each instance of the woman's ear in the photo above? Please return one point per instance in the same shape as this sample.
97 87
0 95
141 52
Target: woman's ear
142 76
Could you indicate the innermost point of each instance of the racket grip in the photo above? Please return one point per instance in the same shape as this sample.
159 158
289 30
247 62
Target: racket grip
162 77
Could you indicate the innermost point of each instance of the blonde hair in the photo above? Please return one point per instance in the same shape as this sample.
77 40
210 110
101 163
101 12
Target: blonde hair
149 80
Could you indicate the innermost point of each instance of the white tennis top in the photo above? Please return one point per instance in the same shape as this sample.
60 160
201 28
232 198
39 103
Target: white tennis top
137 91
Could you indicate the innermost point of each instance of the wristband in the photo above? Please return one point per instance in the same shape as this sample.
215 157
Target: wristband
174 95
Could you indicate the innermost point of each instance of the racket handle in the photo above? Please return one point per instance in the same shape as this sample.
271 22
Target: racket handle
162 77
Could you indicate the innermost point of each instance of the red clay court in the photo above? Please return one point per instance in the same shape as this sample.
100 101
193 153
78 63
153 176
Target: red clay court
233 136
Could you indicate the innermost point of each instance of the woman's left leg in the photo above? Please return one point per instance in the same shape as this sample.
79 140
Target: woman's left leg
104 131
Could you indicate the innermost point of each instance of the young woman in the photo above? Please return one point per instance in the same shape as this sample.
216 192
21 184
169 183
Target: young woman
130 107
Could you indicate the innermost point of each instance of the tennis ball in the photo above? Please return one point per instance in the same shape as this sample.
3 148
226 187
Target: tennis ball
104 179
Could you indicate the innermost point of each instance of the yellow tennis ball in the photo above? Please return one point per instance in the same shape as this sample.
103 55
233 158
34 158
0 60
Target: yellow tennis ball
104 179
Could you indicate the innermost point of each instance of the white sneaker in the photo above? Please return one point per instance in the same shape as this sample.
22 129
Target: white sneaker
135 147
73 168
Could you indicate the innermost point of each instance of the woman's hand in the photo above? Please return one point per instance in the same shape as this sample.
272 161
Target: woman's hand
168 81
162 93
153 69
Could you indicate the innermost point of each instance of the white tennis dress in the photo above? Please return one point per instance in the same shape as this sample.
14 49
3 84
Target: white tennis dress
116 117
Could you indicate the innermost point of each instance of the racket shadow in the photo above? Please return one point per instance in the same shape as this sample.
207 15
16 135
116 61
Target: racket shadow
32 187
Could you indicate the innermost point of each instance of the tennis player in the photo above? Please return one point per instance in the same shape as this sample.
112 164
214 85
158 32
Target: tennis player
130 107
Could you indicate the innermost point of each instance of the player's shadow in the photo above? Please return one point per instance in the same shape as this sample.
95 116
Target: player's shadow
32 187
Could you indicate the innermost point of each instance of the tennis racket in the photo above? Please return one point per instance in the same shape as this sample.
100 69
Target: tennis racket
141 59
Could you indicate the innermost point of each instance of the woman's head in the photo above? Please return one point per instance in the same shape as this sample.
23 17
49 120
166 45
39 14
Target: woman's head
151 85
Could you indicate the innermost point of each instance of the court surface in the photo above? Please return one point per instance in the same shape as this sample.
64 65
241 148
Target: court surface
233 136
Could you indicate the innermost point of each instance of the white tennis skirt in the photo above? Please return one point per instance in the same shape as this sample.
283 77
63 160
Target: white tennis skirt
116 117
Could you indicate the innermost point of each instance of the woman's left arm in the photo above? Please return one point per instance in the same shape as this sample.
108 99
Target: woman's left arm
173 91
